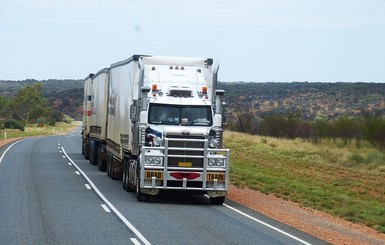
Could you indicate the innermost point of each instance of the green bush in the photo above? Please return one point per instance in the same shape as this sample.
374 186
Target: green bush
12 123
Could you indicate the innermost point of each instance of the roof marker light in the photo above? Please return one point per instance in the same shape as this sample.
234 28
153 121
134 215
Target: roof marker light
204 89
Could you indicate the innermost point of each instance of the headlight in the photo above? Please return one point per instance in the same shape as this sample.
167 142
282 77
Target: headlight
213 142
158 141
216 162
150 160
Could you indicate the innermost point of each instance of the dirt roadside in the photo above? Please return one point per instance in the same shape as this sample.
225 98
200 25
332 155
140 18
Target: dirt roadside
316 223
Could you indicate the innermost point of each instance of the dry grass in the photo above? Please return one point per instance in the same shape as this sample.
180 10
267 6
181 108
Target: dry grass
337 177
59 128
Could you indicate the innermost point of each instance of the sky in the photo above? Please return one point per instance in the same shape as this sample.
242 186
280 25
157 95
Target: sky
252 40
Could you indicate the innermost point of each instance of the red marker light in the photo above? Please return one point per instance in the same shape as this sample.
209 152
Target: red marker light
189 176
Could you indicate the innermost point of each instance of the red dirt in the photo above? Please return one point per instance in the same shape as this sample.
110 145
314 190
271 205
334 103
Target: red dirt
316 223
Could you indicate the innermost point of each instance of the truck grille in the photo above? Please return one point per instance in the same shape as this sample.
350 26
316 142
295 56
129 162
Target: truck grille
185 144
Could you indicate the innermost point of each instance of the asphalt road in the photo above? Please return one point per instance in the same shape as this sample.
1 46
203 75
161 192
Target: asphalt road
49 194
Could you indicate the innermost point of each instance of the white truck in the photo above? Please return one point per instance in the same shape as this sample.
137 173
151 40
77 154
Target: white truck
98 122
164 127
86 115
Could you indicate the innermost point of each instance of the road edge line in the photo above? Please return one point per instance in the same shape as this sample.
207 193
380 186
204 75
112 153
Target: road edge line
267 225
9 147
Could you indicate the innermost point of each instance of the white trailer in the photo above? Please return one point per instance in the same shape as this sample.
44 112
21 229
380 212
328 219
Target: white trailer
98 122
86 115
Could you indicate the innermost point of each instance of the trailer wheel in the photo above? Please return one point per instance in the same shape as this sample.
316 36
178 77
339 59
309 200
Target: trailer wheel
101 163
108 165
141 197
86 150
217 200
125 174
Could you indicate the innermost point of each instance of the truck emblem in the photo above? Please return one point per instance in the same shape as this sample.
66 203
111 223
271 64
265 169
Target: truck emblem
185 133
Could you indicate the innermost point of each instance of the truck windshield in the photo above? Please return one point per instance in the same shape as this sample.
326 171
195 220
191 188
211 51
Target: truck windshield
180 115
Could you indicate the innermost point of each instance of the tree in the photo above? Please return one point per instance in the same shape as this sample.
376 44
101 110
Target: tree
4 106
293 121
274 126
244 120
375 132
28 104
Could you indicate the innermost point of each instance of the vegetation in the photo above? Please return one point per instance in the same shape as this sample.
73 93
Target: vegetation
32 130
64 97
338 178
292 126
331 100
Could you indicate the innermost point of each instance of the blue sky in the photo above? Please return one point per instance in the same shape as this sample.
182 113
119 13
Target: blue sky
253 40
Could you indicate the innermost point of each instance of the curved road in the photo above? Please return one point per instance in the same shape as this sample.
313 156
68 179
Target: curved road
49 194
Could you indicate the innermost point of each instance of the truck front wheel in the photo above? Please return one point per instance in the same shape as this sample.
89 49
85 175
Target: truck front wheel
141 197
126 169
217 200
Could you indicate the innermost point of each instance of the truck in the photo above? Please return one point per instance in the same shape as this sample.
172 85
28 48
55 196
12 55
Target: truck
86 115
164 126
98 122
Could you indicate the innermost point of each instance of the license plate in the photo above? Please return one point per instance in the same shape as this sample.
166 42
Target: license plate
219 176
149 174
185 164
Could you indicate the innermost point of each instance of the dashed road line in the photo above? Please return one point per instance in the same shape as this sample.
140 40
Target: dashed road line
106 208
108 203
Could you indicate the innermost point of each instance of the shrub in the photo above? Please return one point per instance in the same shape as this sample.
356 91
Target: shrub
12 123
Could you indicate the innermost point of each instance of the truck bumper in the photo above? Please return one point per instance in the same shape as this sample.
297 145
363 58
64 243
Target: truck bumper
205 179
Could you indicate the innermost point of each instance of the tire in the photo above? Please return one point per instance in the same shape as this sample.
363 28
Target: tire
217 200
108 165
113 174
124 182
86 151
116 173
139 195
83 145
102 166
93 153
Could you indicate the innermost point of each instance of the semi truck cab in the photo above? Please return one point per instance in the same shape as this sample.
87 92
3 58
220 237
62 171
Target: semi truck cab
181 133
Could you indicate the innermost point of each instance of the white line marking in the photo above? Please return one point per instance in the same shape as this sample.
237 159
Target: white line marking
64 156
77 172
88 186
266 224
60 151
109 204
135 241
70 164
2 156
106 208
